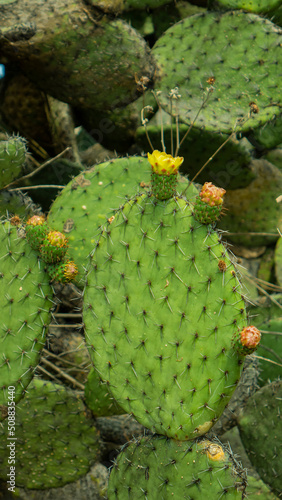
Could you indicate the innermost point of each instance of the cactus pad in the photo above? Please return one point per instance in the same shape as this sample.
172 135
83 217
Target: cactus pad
241 72
98 398
160 314
261 432
161 468
25 295
12 159
56 440
86 202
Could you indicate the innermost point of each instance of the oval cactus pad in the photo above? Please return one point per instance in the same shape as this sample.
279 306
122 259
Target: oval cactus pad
235 56
25 303
162 303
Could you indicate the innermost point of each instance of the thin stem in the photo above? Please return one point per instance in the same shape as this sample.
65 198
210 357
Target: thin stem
38 187
205 100
144 123
171 129
269 360
161 117
31 174
62 373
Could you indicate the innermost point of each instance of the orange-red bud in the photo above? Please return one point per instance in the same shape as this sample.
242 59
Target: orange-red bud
212 195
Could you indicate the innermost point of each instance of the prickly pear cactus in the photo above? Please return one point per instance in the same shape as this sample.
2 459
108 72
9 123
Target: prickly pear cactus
95 58
26 301
162 305
161 468
261 430
91 197
98 398
239 74
256 6
56 440
12 159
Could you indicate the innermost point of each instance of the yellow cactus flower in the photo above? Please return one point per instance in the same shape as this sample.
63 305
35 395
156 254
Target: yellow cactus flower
163 163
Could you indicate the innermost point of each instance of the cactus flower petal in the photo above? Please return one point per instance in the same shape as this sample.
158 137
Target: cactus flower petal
163 163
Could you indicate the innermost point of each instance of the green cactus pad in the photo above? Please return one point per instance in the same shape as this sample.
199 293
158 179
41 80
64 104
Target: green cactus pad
98 398
25 304
261 433
12 159
256 6
268 318
243 70
160 315
278 261
16 203
95 58
257 489
254 209
268 136
86 202
158 468
56 440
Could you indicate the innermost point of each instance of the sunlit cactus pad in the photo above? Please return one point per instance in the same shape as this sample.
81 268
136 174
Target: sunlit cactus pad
56 440
162 303
158 468
237 53
86 202
25 303
257 6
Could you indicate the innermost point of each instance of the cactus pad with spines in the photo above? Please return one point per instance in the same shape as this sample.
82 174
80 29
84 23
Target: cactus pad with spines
25 304
12 159
260 429
95 57
98 398
90 198
160 468
160 315
243 70
56 439
256 6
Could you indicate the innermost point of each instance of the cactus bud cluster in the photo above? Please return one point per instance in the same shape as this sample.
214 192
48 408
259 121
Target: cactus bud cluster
52 247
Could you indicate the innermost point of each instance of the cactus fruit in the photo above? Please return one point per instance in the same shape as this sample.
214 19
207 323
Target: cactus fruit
54 247
56 439
36 230
247 341
91 197
26 301
160 468
63 272
260 431
160 315
98 398
13 154
209 203
204 52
